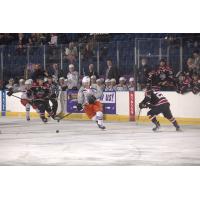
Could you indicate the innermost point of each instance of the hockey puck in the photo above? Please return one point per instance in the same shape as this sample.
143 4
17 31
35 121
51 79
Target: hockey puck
57 131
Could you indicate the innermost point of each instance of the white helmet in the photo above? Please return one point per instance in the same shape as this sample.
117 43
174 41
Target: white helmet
93 77
86 79
98 80
21 80
131 79
122 79
71 66
31 80
61 78
113 80
107 81
28 82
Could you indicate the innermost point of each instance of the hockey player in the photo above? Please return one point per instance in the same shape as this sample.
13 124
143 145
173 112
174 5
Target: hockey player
88 101
40 93
157 104
25 101
54 92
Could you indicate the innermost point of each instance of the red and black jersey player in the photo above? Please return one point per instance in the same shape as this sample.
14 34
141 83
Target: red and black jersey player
40 92
157 104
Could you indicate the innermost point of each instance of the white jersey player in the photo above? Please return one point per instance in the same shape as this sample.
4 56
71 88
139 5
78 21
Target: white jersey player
88 100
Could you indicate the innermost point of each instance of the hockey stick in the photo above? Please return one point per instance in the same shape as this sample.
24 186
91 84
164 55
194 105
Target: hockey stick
30 100
60 118
138 117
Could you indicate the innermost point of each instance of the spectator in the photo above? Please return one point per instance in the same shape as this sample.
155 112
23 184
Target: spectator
122 85
191 67
55 71
73 78
88 53
93 79
21 50
185 84
62 83
38 72
21 39
113 84
62 95
196 57
164 76
21 86
54 40
93 82
143 73
33 39
71 53
100 84
10 83
30 42
107 85
131 85
91 71
195 83
111 71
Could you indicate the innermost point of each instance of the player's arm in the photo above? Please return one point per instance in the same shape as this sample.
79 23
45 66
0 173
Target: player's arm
145 103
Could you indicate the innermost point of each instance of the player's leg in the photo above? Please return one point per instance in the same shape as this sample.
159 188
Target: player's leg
48 109
54 105
97 107
152 116
94 112
26 104
168 114
41 107
28 107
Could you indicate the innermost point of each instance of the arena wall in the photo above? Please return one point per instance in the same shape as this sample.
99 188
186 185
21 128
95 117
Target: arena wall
186 108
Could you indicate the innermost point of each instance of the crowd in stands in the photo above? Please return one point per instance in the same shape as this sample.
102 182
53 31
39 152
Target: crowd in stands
160 77
163 78
72 80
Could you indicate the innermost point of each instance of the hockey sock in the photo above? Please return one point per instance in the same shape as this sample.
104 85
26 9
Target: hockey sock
99 117
27 110
154 120
174 122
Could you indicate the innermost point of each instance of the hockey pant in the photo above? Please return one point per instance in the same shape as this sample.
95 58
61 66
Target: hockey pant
165 110
94 112
43 105
54 104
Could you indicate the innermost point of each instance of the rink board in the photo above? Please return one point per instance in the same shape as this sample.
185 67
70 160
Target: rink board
186 108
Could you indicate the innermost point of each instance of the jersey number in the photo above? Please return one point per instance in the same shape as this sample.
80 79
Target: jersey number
159 95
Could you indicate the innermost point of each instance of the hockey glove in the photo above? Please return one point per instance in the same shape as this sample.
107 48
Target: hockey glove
79 107
142 105
10 92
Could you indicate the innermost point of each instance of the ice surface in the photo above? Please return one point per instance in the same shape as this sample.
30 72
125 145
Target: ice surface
82 143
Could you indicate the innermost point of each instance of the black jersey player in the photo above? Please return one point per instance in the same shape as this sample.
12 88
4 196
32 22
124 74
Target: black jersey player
157 104
40 92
